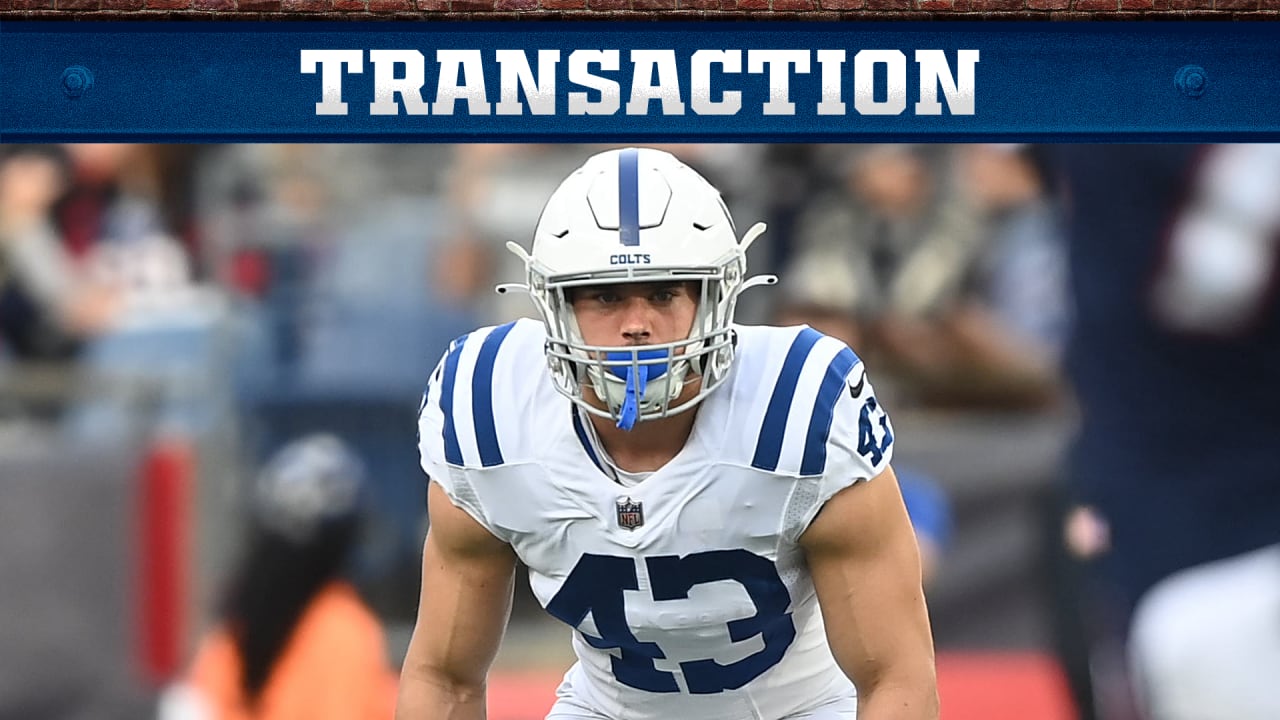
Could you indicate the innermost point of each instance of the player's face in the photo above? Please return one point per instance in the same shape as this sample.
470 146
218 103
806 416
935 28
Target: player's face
635 313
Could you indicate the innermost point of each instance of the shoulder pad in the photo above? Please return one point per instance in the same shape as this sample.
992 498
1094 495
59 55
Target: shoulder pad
813 410
481 388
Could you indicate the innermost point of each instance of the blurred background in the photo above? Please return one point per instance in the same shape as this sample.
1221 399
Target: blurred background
172 317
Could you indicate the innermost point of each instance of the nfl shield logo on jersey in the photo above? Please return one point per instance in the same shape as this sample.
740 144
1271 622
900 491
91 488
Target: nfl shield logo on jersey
630 513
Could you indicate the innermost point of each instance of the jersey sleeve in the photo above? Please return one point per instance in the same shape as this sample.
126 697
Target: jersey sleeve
444 428
851 436
861 440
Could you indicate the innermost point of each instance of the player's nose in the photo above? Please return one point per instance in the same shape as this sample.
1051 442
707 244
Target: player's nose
637 321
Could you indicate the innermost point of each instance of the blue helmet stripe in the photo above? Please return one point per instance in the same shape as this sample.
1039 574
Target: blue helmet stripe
769 444
814 461
629 196
482 397
452 452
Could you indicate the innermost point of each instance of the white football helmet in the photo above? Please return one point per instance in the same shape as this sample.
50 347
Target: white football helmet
637 215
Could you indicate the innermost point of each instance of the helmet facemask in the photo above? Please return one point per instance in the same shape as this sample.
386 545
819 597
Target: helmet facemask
663 369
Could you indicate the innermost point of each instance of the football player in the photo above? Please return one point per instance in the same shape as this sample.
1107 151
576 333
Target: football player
709 506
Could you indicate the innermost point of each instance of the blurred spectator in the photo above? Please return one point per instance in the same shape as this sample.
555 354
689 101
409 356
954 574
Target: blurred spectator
254 202
904 246
905 234
328 247
793 176
118 193
47 305
1023 272
295 639
498 192
1175 473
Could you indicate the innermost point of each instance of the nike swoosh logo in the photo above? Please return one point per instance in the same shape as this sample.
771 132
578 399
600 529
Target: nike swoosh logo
856 390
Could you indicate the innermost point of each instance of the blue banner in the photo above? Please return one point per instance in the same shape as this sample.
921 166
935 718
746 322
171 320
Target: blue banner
89 81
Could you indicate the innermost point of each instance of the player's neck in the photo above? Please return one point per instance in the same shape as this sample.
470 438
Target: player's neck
649 445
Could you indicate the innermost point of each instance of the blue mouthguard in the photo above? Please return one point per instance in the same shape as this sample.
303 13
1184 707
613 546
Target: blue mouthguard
636 381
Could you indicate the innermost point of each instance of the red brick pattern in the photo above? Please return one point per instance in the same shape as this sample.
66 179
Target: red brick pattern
979 5
793 5
818 10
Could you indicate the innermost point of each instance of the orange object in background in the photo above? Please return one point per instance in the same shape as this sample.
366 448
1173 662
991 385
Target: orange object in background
332 668
972 685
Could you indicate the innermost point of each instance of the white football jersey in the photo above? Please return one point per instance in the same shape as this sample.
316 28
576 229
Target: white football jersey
688 591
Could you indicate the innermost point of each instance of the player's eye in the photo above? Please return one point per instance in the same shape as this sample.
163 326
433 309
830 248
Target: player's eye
663 295
607 297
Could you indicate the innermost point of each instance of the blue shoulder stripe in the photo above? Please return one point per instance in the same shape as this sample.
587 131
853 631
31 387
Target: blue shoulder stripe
769 444
824 410
482 397
452 452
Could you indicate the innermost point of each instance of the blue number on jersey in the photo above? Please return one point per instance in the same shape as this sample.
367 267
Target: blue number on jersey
596 586
867 445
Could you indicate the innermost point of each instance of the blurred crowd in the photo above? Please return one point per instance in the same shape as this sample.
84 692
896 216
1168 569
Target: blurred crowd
941 261
260 293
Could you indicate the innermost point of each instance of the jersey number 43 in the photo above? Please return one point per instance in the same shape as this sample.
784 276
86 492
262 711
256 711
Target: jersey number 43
596 586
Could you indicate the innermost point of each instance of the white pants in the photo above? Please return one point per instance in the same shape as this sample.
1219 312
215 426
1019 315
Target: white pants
1206 642
843 709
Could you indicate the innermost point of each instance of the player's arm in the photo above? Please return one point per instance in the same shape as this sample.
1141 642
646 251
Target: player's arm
865 564
467 581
